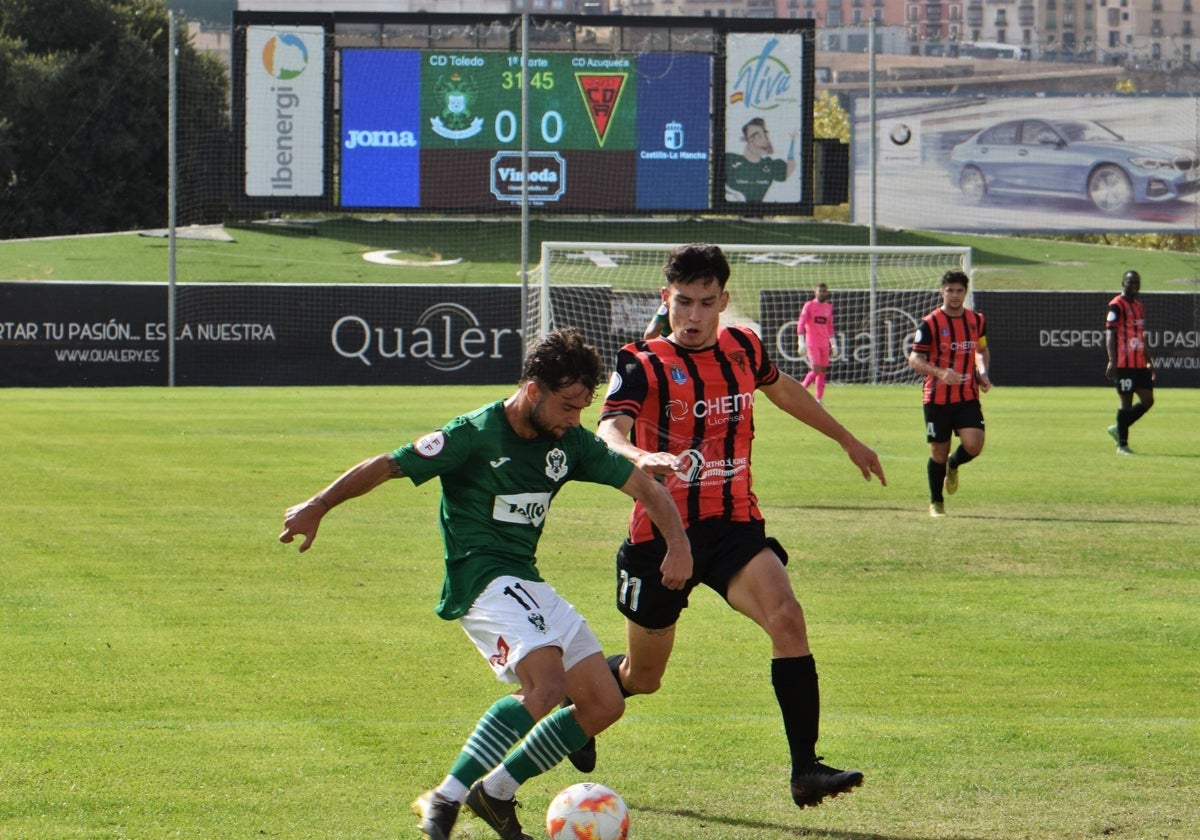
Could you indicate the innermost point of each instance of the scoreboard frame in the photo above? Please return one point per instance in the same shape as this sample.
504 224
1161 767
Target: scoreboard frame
675 116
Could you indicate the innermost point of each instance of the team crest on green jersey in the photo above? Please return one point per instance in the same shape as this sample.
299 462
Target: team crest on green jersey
556 464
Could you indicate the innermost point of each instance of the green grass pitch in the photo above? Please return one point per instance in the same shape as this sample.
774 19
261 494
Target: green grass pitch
1025 668
331 251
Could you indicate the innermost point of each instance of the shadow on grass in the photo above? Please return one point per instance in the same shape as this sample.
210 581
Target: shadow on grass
497 238
920 511
778 829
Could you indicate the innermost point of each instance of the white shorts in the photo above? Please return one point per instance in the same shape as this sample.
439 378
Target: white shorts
512 617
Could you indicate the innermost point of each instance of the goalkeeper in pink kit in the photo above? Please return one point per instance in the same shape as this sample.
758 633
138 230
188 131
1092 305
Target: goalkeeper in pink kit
816 341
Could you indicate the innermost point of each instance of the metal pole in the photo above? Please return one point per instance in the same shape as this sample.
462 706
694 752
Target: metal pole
871 108
524 76
873 305
172 179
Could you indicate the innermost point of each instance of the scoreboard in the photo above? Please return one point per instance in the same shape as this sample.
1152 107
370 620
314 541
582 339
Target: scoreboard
442 130
675 115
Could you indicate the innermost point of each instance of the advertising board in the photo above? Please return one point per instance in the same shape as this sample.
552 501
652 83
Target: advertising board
115 334
764 119
285 111
362 111
1094 164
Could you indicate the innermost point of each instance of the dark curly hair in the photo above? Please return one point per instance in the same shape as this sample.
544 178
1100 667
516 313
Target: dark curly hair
561 359
955 275
689 263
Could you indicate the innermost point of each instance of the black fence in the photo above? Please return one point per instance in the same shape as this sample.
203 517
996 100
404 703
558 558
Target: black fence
115 334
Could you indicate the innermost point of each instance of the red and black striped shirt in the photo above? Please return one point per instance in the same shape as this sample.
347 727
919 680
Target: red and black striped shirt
1128 321
698 404
951 343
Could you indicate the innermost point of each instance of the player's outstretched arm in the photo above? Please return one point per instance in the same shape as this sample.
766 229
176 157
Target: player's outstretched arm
305 518
614 431
676 566
795 399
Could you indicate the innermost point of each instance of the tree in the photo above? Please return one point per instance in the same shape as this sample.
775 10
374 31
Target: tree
83 94
830 119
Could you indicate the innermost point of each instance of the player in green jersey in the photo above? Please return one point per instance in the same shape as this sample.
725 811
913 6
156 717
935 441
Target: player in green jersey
500 468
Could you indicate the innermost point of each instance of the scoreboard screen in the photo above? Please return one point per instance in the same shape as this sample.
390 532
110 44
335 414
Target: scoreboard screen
366 111
441 130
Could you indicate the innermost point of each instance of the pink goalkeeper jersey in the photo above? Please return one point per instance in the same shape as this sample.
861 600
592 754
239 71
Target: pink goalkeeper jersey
816 323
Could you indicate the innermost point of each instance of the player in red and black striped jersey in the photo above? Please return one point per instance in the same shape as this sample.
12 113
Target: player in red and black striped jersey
682 408
950 350
1129 362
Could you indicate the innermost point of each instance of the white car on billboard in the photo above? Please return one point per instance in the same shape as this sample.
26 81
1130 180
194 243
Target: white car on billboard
1072 158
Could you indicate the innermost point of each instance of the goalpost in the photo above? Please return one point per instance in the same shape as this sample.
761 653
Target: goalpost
880 294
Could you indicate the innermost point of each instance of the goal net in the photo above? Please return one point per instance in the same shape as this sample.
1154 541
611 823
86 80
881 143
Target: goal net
879 294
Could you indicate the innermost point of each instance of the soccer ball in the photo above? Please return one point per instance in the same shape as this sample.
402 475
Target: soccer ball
587 811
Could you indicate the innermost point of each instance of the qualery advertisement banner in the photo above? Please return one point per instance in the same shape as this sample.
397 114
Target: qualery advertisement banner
115 334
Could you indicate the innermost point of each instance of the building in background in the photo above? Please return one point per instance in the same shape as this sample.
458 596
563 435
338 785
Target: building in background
1143 34
1161 35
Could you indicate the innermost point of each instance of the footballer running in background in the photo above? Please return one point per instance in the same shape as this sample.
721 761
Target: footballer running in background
950 350
1129 364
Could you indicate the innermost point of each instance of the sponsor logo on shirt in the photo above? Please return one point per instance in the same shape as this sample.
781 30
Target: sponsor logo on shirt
717 411
521 508
692 467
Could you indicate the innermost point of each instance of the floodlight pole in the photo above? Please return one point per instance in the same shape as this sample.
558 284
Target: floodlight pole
172 162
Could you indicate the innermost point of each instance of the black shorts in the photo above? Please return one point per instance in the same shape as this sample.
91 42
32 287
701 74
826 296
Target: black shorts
1129 380
719 550
942 420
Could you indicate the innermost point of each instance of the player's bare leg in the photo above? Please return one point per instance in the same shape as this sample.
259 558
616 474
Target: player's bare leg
638 671
647 652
